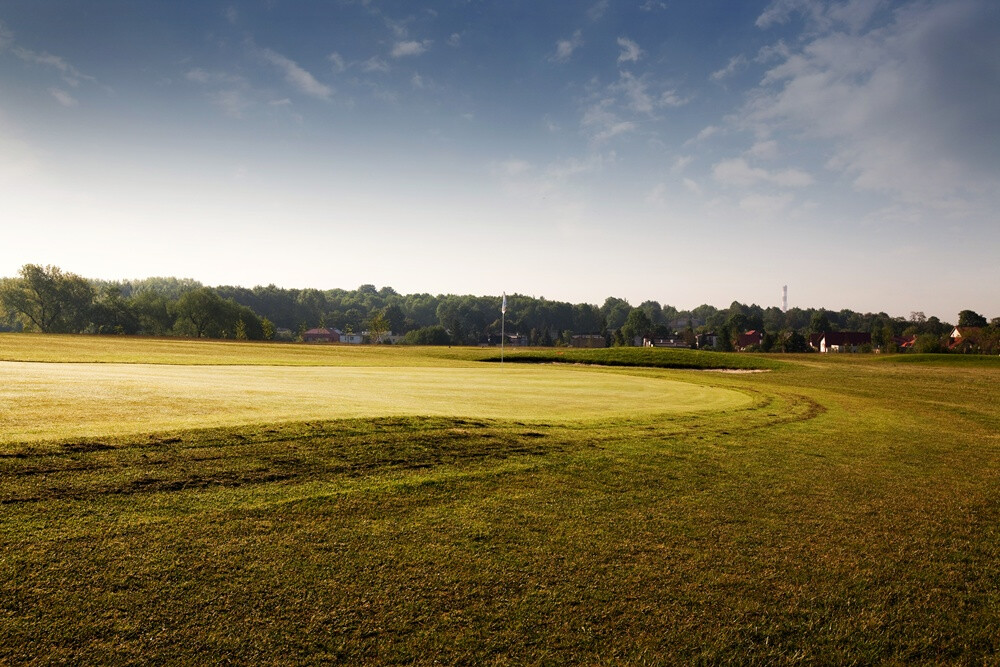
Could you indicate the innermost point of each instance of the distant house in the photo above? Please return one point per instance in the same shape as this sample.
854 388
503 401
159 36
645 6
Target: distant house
843 341
750 338
587 340
665 342
321 335
965 339
352 338
904 343
517 340
705 340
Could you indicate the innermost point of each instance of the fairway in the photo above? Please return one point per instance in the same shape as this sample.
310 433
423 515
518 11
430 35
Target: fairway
187 503
53 400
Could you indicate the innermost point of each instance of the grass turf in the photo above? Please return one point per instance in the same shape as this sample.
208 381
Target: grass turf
848 514
52 400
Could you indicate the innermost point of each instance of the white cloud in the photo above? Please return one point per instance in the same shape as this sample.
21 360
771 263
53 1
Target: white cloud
635 90
375 64
692 186
657 195
737 172
63 97
597 10
70 74
410 48
296 76
764 150
670 98
203 76
232 102
417 81
909 108
734 64
681 163
338 61
454 40
602 123
512 167
574 166
231 14
705 133
821 16
766 206
566 47
630 51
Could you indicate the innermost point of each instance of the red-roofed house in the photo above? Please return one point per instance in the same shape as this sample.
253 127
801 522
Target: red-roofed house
321 335
752 337
965 339
843 341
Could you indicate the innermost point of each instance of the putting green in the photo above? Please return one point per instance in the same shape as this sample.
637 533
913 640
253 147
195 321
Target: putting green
56 400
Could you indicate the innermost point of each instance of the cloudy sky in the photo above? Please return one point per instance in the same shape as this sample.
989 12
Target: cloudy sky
688 151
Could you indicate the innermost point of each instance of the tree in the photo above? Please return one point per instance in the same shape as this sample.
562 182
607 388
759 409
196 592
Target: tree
46 299
637 325
433 335
819 322
927 343
396 318
378 325
152 311
724 339
112 314
970 318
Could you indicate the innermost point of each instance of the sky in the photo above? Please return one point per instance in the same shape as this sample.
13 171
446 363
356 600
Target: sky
685 151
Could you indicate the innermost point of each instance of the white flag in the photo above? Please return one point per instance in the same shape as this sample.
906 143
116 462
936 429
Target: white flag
503 306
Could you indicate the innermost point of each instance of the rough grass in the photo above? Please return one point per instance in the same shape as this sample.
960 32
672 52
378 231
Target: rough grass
848 515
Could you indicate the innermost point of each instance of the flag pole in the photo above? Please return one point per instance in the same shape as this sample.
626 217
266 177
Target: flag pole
503 316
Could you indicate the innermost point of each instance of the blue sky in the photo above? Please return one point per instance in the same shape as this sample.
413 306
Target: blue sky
689 152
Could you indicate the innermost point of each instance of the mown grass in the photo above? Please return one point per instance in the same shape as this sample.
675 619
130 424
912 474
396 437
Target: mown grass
639 356
197 352
65 400
849 514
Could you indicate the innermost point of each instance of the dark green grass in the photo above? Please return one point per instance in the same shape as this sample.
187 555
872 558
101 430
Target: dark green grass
640 356
963 360
849 516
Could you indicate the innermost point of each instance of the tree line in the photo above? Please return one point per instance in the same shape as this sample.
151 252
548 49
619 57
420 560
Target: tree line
50 300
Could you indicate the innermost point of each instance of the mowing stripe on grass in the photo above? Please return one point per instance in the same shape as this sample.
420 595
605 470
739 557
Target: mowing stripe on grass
43 401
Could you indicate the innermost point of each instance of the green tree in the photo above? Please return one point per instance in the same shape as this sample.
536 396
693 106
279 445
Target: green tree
378 326
970 318
433 335
113 314
200 313
819 322
266 328
637 324
46 299
927 343
396 318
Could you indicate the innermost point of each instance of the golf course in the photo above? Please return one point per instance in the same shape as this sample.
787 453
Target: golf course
182 501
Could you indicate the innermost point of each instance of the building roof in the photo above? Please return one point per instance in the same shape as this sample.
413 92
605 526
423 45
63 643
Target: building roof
966 332
846 337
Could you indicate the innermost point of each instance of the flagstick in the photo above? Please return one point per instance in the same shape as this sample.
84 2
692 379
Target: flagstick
503 333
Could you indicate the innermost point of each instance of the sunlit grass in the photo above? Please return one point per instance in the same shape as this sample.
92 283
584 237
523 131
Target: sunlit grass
846 514
53 400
